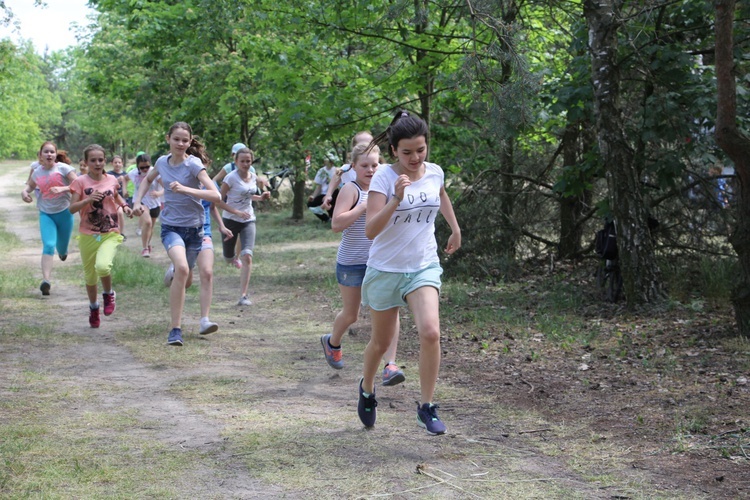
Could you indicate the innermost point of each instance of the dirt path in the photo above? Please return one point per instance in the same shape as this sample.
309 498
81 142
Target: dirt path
280 385
117 380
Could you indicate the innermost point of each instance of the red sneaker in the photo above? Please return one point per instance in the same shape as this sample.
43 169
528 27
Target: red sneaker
109 303
94 317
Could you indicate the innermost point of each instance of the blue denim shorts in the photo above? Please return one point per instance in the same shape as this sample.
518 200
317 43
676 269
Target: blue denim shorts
189 237
350 275
382 290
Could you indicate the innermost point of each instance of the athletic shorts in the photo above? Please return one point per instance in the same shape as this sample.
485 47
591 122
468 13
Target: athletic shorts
154 212
383 290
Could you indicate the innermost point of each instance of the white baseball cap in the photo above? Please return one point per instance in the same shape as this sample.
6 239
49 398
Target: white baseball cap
237 147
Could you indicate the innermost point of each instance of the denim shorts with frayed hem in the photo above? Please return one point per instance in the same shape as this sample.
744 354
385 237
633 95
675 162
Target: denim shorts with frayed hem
350 275
189 237
383 290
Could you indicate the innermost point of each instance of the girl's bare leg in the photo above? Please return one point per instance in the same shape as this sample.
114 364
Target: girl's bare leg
247 270
177 290
424 305
382 336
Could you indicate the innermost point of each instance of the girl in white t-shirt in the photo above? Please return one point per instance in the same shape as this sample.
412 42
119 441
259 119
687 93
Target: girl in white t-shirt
238 191
351 260
404 268
151 200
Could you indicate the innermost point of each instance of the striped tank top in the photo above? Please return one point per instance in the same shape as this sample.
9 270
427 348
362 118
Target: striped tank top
355 247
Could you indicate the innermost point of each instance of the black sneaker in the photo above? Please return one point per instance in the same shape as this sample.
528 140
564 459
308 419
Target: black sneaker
366 406
427 418
45 287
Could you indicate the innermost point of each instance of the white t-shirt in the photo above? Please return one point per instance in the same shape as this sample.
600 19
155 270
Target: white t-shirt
407 243
45 180
323 177
240 195
149 200
347 174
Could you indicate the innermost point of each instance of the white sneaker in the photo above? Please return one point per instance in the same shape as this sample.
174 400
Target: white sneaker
208 327
169 276
244 301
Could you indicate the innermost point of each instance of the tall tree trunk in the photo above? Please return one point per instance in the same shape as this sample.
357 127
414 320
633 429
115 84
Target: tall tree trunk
571 207
641 279
737 146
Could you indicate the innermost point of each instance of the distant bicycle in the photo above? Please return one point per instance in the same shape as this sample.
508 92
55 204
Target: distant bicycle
276 179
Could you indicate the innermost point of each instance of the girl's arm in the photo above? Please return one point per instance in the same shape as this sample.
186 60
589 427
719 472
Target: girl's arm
142 190
220 176
343 213
220 222
64 189
77 203
316 192
335 181
260 197
446 208
123 204
26 193
210 193
379 209
158 192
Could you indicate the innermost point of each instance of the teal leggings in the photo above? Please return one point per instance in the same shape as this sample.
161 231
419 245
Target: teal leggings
56 230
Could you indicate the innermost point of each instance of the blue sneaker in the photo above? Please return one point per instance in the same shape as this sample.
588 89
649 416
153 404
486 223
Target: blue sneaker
175 337
366 406
427 418
333 356
392 375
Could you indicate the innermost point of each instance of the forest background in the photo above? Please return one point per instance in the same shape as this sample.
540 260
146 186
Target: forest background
546 115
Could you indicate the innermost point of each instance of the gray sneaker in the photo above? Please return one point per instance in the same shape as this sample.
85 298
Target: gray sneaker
244 301
208 327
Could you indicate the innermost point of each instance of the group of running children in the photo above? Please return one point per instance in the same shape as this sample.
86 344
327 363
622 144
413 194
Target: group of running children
387 258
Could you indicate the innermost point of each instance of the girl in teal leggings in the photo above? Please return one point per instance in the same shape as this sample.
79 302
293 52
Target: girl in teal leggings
55 220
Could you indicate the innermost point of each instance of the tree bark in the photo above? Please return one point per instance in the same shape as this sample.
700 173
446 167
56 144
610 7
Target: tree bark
641 277
571 207
737 146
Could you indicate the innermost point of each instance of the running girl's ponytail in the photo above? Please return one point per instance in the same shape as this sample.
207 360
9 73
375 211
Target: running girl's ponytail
62 157
403 126
198 150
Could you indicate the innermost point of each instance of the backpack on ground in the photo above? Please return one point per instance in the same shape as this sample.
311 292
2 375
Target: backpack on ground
605 244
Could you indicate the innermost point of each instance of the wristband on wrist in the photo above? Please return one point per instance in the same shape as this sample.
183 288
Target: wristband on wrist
398 198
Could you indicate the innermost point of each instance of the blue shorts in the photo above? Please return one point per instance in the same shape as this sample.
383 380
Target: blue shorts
189 237
383 290
350 275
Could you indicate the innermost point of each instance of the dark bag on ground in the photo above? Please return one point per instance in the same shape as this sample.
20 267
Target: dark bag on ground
605 243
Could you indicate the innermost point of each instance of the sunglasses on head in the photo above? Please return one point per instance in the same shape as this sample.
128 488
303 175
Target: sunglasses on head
144 168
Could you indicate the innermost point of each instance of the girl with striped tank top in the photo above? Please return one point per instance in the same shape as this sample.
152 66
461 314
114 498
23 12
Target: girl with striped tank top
351 260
